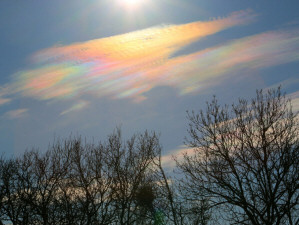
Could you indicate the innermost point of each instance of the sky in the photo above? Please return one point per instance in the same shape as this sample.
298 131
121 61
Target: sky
76 67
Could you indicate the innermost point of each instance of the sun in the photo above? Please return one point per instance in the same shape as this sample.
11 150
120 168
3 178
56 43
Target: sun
132 4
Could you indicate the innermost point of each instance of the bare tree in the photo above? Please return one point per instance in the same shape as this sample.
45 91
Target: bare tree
87 186
178 207
246 159
2 193
13 208
131 163
81 183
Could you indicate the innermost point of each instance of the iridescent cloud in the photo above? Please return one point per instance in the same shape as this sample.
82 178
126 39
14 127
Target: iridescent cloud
123 66
129 65
199 70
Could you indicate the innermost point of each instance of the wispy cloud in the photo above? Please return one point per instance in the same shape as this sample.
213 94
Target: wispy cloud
4 100
4 91
168 160
76 107
14 114
203 68
123 66
295 101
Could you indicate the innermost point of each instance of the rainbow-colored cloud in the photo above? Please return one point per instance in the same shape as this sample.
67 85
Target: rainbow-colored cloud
201 69
129 65
123 66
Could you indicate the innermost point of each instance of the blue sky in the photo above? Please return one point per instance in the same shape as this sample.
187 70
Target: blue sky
78 67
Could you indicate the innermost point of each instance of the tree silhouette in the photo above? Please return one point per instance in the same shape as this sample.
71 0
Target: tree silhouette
82 183
245 159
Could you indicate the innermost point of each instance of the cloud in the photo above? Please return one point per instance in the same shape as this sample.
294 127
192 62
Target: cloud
129 65
294 100
4 91
14 114
122 66
4 100
201 69
293 81
168 159
76 107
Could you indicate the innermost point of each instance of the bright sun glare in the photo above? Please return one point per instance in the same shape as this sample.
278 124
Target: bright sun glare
132 4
